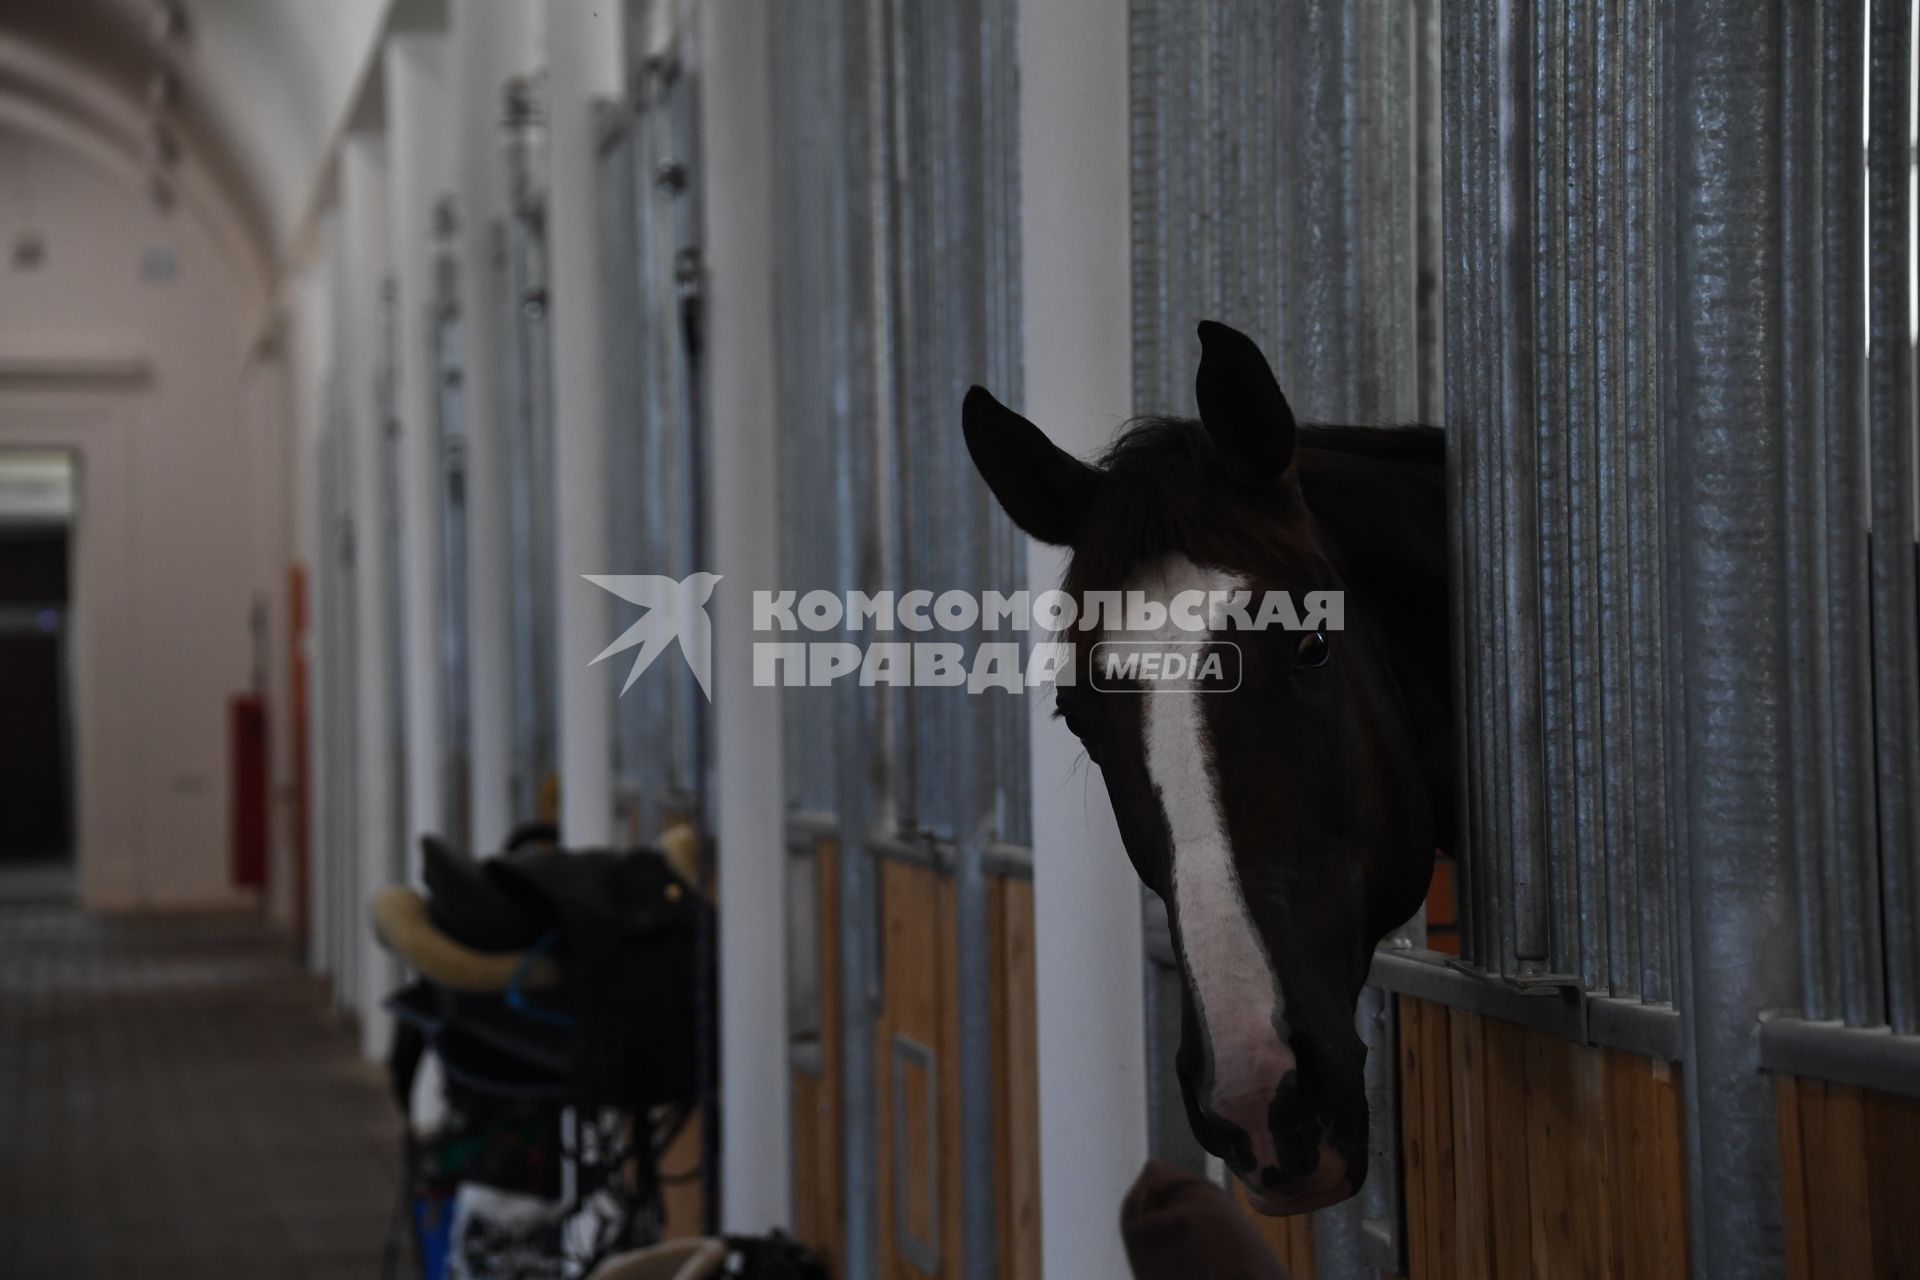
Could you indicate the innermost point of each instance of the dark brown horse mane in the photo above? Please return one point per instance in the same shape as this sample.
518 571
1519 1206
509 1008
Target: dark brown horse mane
1164 489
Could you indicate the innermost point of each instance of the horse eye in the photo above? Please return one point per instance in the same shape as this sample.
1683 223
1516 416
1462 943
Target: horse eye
1077 727
1314 651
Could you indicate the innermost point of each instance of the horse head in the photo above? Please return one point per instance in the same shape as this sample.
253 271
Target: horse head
1287 817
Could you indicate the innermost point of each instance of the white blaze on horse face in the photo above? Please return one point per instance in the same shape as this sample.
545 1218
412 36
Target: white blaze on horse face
1235 990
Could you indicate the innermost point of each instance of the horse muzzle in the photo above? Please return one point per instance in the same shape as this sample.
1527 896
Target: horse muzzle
1334 1178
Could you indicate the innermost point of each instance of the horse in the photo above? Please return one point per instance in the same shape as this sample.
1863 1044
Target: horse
1289 822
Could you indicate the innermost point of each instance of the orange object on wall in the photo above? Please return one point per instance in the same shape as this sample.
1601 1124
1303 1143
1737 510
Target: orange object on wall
247 747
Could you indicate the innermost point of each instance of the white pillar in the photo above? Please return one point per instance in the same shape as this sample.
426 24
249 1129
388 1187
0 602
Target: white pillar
747 788
312 538
363 189
583 62
1088 952
420 136
490 42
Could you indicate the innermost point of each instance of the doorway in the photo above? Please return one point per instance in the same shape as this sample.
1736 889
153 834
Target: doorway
36 750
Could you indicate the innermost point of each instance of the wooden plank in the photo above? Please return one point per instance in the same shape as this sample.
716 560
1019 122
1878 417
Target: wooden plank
1413 1131
997 978
805 1093
947 1199
910 1006
829 1192
1437 1094
1472 1180
1893 1183
1793 1179
1301 1264
1291 1239
1593 1185
1020 1225
1552 1170
1509 1168
1667 1169
886 1254
1834 1142
1633 1221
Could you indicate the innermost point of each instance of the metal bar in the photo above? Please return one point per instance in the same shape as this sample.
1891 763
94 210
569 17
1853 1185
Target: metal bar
1849 820
1643 406
1559 1011
1868 1057
1517 533
1803 492
1618 876
1008 861
1896 626
1632 1026
1727 461
861 902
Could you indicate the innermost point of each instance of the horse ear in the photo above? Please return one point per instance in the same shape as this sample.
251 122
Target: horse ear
1240 402
1045 490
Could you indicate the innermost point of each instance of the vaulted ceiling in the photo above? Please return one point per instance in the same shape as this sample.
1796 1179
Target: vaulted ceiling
264 88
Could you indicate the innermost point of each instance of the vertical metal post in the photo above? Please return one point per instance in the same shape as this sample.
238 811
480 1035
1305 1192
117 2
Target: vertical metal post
1843 671
1896 626
1727 441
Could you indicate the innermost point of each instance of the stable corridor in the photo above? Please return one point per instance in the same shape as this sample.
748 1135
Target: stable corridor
180 1099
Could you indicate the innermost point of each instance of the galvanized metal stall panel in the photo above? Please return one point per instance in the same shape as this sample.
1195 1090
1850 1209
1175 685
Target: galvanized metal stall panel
1684 509
1555 380
455 644
1282 157
1286 180
1682 469
897 286
526 338
649 224
394 569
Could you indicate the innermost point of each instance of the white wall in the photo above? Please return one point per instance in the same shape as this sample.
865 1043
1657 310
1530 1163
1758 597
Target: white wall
1088 951
167 529
748 787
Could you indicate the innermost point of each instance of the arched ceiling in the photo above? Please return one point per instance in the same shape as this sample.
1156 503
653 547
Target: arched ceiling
265 86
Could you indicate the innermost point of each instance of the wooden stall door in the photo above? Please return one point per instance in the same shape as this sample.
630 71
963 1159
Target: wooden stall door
1526 1155
1850 1180
917 1101
916 1081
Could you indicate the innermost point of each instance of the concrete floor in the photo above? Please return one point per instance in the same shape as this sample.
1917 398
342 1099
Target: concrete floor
177 1099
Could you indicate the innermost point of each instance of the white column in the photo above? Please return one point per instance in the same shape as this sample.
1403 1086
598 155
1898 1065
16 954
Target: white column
490 42
747 790
1088 952
312 539
583 62
363 189
420 137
